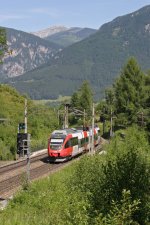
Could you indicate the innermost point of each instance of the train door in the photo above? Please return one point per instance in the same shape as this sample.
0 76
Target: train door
74 144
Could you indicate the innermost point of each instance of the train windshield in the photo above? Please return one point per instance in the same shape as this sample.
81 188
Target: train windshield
56 144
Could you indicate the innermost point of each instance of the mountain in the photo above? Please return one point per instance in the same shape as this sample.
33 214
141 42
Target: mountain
31 50
70 36
28 52
65 36
99 59
49 31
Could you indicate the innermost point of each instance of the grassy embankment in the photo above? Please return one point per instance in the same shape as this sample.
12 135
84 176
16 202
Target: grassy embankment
102 189
42 120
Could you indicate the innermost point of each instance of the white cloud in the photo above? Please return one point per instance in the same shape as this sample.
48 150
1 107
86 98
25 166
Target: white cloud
6 17
50 12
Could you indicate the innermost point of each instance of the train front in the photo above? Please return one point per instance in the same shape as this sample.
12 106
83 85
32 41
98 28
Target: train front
56 151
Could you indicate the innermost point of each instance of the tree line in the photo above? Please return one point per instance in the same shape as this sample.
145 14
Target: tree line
128 100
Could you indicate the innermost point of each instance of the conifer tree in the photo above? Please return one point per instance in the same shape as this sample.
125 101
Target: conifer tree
83 98
86 97
129 91
75 100
147 99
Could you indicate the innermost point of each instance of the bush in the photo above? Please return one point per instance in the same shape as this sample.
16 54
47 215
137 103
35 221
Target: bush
120 213
126 166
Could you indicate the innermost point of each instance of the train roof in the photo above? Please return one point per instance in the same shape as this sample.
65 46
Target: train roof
65 131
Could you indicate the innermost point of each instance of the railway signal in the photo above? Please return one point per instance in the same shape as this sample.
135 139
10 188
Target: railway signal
23 138
111 123
22 143
21 126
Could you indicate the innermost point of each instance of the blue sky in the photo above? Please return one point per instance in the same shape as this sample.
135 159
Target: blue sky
34 15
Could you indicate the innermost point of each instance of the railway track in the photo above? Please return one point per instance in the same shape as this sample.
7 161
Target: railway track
21 163
11 184
14 176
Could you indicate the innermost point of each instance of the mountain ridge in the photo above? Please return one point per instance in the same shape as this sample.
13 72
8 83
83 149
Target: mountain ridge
98 59
49 31
28 52
64 36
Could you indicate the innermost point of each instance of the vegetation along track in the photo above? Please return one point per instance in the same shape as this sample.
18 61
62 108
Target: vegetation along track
13 175
13 179
11 184
16 175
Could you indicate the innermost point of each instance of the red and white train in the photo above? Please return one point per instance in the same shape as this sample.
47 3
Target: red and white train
67 143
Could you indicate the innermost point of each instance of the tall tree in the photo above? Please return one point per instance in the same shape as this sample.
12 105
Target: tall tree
3 45
147 89
82 100
147 99
83 97
75 100
86 97
109 96
129 91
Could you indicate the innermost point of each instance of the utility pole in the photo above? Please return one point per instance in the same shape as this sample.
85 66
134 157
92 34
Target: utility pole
111 123
27 141
89 141
58 117
84 118
93 115
25 116
103 119
28 159
103 127
66 117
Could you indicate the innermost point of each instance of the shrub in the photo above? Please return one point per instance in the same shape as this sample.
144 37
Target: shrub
103 178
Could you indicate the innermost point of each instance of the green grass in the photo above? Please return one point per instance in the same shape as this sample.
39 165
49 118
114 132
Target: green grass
45 202
58 100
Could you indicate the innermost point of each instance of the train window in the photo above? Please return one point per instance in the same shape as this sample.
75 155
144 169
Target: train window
74 141
55 146
56 143
67 144
82 142
95 136
86 139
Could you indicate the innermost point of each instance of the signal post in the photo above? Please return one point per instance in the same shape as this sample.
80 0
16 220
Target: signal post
93 117
23 141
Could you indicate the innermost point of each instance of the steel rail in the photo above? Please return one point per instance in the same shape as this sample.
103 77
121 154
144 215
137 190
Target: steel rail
8 167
